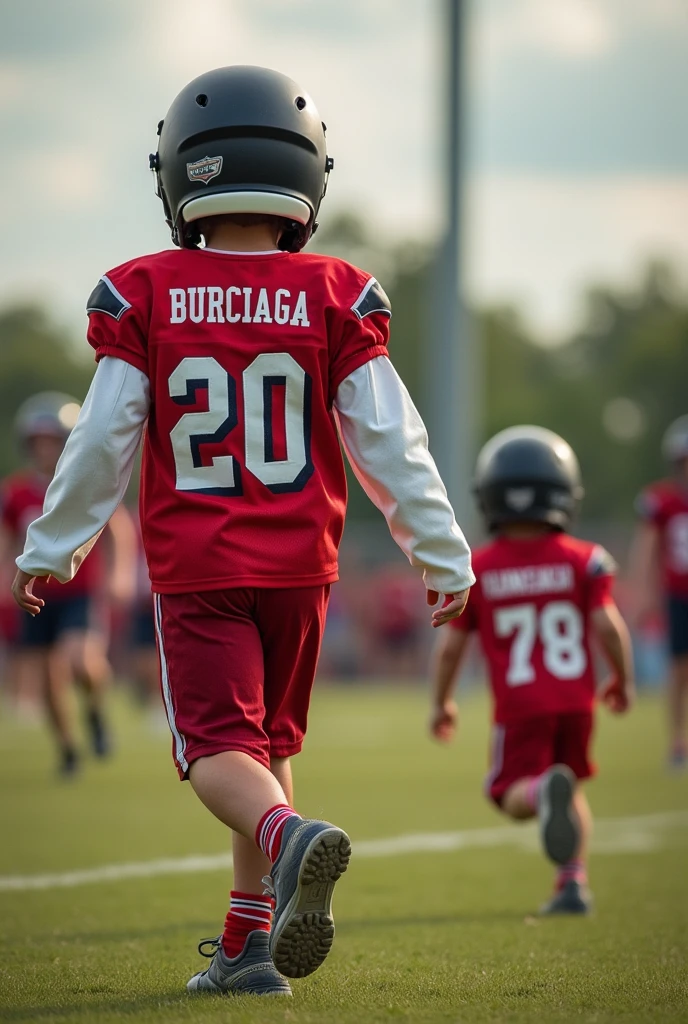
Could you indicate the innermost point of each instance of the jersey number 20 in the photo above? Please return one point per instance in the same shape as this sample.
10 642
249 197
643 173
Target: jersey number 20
222 475
559 627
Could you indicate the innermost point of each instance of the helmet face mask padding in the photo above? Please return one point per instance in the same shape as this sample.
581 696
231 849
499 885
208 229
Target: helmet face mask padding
527 474
242 139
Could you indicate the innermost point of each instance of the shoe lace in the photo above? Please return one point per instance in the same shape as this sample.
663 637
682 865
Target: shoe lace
269 889
214 946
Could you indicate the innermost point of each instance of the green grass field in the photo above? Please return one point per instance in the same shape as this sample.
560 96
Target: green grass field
432 935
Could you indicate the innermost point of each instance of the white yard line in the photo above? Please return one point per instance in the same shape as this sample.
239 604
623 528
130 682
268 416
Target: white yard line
612 835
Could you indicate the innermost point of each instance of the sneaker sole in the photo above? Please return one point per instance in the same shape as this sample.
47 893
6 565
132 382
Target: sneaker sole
559 828
303 936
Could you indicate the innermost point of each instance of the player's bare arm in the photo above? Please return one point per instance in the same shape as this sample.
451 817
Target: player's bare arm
91 479
448 655
611 631
644 559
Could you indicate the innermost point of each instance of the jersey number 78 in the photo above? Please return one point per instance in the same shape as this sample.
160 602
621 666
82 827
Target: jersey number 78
559 627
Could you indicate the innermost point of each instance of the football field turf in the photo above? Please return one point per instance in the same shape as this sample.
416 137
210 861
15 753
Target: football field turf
434 924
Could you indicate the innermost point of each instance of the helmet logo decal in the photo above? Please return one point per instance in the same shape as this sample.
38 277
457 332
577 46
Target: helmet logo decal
205 169
519 498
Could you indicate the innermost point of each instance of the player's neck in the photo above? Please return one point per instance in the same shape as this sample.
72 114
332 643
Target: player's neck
235 238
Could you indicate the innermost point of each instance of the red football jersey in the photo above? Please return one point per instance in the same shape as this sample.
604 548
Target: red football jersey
243 479
665 504
531 605
21 501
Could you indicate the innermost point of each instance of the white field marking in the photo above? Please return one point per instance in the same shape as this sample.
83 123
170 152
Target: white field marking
612 835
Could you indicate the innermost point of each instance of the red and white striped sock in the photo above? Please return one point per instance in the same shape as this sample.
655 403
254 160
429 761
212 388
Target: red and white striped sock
247 913
574 871
271 827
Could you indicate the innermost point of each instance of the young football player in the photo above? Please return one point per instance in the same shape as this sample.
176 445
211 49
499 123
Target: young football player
65 644
244 356
659 566
541 596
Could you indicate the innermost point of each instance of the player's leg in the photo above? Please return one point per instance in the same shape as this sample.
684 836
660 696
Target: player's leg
38 657
211 662
144 663
57 683
572 749
311 855
677 689
530 781
250 863
83 647
521 752
250 905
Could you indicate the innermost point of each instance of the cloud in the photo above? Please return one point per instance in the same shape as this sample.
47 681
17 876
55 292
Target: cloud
574 107
542 240
574 29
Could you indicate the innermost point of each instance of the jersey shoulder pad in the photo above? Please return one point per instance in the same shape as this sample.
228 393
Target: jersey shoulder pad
600 563
372 299
106 298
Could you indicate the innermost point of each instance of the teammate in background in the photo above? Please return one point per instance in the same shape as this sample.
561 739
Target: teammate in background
540 597
243 355
67 643
144 656
659 573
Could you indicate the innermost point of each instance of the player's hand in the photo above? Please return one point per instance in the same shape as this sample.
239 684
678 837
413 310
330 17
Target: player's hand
22 592
450 611
618 696
444 720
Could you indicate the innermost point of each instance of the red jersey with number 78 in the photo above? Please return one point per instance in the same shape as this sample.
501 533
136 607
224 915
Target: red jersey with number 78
243 479
531 607
665 505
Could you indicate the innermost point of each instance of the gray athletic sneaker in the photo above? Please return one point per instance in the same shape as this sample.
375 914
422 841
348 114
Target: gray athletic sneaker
252 972
559 824
313 855
572 898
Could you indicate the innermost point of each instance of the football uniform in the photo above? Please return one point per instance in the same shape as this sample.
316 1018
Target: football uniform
665 505
242 483
69 604
244 365
531 607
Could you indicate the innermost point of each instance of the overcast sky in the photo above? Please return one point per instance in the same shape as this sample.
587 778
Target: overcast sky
576 144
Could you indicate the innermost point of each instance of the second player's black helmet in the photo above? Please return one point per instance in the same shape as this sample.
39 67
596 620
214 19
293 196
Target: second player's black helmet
528 474
242 139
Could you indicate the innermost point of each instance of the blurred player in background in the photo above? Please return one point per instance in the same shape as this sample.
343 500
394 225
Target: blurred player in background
69 642
659 573
239 354
541 596
143 665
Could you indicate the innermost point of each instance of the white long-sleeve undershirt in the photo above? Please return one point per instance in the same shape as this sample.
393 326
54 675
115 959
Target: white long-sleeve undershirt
383 436
387 445
92 474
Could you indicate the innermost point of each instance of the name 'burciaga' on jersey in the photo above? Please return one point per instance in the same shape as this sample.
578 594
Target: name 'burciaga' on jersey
531 606
243 482
214 304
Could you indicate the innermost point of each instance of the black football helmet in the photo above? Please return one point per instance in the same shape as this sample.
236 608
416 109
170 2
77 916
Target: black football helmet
242 139
528 474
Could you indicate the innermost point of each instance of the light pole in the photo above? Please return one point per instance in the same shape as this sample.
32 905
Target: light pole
453 391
